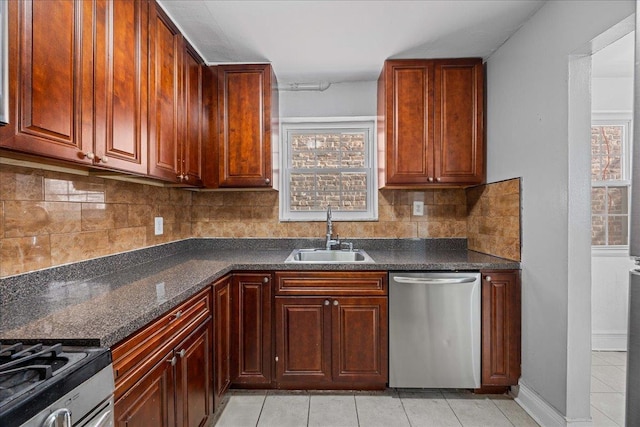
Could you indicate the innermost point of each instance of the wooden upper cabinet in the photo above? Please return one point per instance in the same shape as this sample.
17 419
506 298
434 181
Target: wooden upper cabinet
195 125
430 123
245 115
459 128
165 83
121 72
51 98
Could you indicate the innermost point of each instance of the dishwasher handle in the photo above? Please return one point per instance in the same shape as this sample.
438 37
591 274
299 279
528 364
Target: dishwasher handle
432 280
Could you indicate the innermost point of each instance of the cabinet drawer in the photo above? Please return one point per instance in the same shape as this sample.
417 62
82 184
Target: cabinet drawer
135 355
331 283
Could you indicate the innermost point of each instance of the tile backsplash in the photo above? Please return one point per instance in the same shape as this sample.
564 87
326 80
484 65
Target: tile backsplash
493 222
52 218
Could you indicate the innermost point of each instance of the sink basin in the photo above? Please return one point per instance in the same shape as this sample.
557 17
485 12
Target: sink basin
324 256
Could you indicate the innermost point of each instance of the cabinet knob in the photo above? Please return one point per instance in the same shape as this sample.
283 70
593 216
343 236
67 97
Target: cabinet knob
177 314
173 361
265 280
89 155
430 179
103 159
182 352
180 177
335 302
326 302
267 181
186 177
487 278
438 179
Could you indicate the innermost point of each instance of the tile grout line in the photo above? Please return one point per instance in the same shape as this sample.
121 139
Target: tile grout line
502 412
262 408
404 409
355 403
452 410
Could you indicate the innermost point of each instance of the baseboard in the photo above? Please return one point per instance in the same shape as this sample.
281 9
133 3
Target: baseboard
543 413
609 341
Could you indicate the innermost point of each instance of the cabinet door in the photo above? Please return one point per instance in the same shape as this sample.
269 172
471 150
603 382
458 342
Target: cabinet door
303 342
150 402
360 341
195 126
165 83
459 147
409 122
500 328
251 353
121 72
222 337
194 378
244 143
55 82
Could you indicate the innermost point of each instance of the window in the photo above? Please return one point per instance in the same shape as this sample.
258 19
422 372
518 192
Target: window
610 183
328 163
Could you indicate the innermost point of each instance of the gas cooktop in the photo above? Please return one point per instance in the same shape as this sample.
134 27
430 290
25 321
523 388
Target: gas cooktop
32 376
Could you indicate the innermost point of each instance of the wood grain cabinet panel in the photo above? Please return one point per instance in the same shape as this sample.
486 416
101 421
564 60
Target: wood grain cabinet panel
52 94
430 127
251 356
222 338
246 106
165 82
121 75
500 328
303 342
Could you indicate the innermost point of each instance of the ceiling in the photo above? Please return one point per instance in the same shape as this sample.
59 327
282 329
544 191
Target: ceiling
348 40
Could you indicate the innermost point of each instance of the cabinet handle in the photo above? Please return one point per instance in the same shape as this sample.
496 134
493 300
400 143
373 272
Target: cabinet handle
487 278
177 315
438 179
326 302
103 159
430 179
267 181
265 280
89 155
335 302
180 177
173 361
186 177
182 352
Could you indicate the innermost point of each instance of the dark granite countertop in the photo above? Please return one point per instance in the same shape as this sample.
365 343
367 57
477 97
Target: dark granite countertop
100 302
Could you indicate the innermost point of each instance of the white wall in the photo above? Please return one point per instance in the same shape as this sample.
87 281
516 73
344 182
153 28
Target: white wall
528 136
610 269
339 100
612 94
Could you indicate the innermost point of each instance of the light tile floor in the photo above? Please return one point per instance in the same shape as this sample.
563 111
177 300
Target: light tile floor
390 408
417 408
608 388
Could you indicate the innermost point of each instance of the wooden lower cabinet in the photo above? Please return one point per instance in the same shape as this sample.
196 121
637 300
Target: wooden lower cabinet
251 356
151 400
164 372
221 338
338 340
500 328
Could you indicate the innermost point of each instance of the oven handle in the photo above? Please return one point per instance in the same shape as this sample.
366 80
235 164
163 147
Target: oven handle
53 419
433 280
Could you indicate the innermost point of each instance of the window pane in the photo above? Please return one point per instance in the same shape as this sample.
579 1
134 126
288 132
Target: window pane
327 159
302 151
354 201
354 181
618 230
598 230
328 141
618 200
598 200
326 198
606 152
328 182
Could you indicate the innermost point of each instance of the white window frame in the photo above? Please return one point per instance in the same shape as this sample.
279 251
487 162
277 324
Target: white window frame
292 124
616 118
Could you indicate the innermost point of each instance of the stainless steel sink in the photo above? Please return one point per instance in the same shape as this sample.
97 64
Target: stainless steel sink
324 256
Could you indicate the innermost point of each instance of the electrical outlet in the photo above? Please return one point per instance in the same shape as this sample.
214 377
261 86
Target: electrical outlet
418 208
159 223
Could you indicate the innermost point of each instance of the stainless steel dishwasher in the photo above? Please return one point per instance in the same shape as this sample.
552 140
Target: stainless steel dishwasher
434 330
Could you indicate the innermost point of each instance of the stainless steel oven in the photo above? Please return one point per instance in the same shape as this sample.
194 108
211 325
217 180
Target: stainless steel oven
55 386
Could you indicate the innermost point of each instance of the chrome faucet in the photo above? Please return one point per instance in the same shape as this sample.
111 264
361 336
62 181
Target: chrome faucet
330 241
